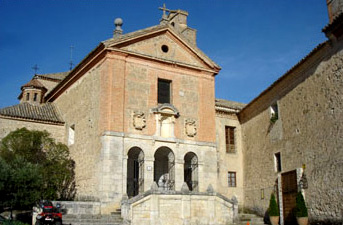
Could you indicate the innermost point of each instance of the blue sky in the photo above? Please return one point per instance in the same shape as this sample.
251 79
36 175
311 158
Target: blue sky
254 42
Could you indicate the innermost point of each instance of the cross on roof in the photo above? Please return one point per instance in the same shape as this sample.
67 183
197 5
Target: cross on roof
35 68
164 9
71 57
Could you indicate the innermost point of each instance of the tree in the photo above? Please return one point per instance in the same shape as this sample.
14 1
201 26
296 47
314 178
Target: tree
273 209
300 206
33 167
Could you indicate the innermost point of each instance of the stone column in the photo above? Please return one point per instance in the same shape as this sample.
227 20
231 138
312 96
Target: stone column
179 174
111 172
148 173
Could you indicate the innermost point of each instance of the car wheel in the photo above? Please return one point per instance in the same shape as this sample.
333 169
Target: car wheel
58 223
38 222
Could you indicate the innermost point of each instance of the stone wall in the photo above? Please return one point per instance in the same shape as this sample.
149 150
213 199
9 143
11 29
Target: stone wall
8 125
232 162
79 107
308 132
180 208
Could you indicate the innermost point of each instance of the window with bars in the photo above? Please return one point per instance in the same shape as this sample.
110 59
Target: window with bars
164 91
230 139
232 179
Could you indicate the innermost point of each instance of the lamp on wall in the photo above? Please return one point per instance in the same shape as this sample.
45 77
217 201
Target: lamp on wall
303 180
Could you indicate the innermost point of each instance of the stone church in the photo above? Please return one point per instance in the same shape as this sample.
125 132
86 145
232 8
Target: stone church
150 139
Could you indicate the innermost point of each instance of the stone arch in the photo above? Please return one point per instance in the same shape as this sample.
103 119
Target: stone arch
164 168
191 171
135 172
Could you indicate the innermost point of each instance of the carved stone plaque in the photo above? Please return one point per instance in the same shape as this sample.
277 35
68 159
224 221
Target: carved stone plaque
190 127
139 121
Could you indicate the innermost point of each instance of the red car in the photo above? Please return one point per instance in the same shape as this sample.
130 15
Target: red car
50 215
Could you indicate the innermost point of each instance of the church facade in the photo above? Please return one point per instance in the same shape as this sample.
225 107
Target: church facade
148 136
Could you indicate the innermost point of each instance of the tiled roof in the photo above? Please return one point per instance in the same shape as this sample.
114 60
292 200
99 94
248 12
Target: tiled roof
33 83
336 24
226 105
43 113
53 76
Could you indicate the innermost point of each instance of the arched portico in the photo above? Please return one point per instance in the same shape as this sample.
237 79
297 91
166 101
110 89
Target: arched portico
135 172
164 168
191 171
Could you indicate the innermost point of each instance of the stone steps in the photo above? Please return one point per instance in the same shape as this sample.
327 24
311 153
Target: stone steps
252 219
113 219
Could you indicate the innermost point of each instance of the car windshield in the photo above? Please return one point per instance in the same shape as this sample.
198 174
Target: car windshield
48 210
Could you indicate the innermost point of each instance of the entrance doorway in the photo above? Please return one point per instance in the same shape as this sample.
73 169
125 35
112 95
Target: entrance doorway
135 172
191 171
164 166
289 194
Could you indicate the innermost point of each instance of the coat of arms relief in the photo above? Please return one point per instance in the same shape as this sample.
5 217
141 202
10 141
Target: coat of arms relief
139 121
190 127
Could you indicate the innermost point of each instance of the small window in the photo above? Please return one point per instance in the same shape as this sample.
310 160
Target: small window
35 97
277 160
71 136
230 139
27 96
232 179
165 48
164 91
274 113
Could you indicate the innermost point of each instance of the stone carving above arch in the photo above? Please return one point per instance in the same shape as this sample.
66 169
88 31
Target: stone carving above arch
165 115
190 127
139 121
166 109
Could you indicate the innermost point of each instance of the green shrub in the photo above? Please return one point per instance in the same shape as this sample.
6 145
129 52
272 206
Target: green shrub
300 206
13 222
273 209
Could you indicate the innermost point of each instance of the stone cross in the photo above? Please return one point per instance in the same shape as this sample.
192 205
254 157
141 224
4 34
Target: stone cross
35 68
164 9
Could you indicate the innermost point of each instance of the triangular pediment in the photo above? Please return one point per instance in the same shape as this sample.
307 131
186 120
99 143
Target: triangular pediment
167 45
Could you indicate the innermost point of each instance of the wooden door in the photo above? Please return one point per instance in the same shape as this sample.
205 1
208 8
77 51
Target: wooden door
289 193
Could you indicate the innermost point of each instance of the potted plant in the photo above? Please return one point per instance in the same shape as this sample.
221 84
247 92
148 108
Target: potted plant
301 210
273 210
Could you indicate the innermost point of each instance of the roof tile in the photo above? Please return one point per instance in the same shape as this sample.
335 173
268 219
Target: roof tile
44 113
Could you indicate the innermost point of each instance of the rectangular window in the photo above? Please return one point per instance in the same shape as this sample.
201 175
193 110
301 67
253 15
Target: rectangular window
35 97
232 179
27 96
164 91
274 112
230 139
277 159
71 137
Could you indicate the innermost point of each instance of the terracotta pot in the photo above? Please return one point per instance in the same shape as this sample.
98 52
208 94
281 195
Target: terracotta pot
302 220
274 220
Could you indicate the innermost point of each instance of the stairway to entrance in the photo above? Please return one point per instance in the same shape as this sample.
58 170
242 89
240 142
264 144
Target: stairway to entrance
113 219
252 219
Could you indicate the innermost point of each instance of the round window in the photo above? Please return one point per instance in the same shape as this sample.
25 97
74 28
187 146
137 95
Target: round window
165 48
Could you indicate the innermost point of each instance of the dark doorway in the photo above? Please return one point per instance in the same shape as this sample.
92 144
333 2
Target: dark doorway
289 194
135 172
164 166
191 171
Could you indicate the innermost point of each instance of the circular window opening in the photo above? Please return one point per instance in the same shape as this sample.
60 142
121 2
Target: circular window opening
165 48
